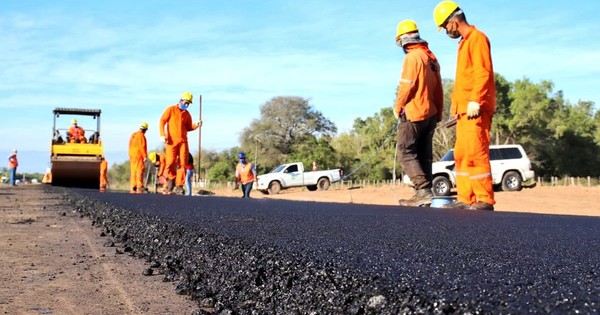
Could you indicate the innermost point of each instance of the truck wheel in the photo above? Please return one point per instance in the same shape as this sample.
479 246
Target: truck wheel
323 183
311 187
511 181
441 186
274 188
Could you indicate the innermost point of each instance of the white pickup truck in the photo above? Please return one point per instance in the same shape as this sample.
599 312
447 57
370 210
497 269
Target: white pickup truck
293 175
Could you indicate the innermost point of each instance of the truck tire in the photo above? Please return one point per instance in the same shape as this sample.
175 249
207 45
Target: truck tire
323 183
274 188
511 181
311 187
441 186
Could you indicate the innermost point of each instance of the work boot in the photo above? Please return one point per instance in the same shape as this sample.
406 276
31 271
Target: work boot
421 198
480 205
133 190
168 189
457 205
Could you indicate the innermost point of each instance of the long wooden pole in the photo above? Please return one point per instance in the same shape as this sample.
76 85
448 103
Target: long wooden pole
199 137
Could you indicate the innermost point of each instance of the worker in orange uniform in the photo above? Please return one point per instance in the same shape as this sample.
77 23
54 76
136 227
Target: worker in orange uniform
245 174
419 106
159 161
13 163
474 103
138 153
103 175
178 122
76 134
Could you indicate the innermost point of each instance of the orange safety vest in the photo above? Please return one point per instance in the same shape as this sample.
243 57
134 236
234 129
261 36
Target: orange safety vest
474 74
244 173
178 122
76 133
420 92
13 162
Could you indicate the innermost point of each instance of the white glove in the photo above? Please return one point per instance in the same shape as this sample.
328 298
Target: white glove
397 115
473 109
199 123
163 138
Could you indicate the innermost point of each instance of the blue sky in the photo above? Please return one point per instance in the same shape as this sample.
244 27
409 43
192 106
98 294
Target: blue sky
134 58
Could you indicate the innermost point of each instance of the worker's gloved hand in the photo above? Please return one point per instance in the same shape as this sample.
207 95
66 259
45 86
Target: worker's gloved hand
199 123
163 138
473 109
397 115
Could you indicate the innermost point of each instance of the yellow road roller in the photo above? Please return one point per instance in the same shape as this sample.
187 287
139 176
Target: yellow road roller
76 150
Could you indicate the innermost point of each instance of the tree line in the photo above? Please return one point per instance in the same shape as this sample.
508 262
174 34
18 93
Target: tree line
561 138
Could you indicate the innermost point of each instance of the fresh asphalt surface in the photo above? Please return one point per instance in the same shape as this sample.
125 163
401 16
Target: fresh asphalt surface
479 261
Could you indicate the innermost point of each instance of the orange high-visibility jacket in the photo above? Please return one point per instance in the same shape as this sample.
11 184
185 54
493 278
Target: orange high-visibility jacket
474 74
137 146
178 122
76 133
245 173
420 92
13 162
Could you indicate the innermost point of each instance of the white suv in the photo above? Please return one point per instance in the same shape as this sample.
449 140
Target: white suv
510 168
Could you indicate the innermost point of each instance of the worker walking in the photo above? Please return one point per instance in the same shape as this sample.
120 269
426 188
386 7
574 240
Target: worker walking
138 153
103 175
245 174
76 134
419 106
178 122
13 162
474 103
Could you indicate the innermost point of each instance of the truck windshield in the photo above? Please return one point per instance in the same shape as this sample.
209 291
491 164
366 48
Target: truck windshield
278 169
449 156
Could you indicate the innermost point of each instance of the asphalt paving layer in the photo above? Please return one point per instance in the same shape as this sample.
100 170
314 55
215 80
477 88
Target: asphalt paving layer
260 256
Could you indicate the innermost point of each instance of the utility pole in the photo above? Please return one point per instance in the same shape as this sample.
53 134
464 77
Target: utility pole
199 137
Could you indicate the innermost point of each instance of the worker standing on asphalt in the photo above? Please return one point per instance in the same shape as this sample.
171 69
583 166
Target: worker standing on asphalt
189 172
76 134
474 103
103 175
13 162
179 122
138 153
245 174
419 106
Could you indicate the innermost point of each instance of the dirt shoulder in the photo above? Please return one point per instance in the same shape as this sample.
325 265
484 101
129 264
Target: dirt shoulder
54 262
567 200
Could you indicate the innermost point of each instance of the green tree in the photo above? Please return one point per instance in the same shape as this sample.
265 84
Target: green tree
285 122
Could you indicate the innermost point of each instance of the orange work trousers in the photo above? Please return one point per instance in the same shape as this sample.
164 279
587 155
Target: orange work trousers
472 159
103 175
180 180
177 155
137 173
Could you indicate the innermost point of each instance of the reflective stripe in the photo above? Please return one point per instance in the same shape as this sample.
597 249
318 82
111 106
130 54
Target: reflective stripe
481 176
462 173
407 81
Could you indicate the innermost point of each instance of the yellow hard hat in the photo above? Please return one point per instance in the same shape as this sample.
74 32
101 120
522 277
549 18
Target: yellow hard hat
187 96
152 156
442 11
74 122
406 26
144 125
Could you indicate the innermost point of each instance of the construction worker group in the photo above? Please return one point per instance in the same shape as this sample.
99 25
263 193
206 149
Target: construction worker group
419 106
175 166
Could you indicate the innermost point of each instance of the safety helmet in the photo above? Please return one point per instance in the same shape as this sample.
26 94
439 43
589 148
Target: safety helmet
241 155
144 125
74 122
152 156
187 96
442 12
406 26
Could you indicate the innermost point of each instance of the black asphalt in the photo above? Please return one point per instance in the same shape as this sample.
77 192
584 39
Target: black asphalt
371 259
